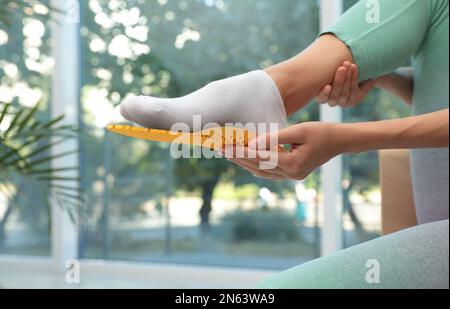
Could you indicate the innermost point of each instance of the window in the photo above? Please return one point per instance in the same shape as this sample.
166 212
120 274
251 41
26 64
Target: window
25 66
144 206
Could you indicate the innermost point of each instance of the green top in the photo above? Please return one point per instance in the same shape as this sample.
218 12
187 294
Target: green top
407 29
404 31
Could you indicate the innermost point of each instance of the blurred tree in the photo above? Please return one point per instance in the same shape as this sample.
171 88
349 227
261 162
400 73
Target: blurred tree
26 176
189 46
170 48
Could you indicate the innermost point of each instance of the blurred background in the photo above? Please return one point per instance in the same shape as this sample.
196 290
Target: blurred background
137 204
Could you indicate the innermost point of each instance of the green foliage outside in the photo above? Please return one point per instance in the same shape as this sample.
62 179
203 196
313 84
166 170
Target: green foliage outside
27 134
172 48
233 39
259 225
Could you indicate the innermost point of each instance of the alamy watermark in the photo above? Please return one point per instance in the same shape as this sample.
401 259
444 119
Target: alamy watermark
73 275
217 141
373 15
72 10
374 271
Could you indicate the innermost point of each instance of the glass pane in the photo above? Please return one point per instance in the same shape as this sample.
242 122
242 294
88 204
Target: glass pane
361 186
25 66
145 206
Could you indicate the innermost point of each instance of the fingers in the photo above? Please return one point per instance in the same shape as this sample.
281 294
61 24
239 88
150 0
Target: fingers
354 92
288 136
239 152
344 100
292 135
289 165
324 95
359 91
253 168
345 90
268 161
250 164
338 85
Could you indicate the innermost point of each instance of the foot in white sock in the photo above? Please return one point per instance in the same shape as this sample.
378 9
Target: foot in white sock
251 98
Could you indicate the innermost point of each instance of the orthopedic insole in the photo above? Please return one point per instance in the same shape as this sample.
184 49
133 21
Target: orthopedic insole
215 139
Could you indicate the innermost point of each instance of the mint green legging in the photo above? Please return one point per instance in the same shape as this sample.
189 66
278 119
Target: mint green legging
413 258
417 257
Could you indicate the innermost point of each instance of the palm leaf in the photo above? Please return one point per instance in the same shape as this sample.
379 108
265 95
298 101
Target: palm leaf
52 157
59 178
25 151
26 142
26 120
36 151
51 170
13 123
4 112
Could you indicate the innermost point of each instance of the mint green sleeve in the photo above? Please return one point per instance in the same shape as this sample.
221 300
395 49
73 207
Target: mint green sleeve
381 47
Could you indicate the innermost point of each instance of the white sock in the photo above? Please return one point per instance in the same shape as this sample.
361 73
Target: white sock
251 98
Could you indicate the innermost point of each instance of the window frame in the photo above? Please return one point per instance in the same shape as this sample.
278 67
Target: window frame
64 236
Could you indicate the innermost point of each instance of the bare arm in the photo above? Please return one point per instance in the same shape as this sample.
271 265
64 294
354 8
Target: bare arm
300 79
346 91
315 143
400 83
425 131
377 48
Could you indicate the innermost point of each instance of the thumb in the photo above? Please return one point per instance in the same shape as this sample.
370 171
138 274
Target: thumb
267 141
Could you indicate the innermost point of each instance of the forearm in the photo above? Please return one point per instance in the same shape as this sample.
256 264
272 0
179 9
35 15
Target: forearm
399 83
301 78
425 131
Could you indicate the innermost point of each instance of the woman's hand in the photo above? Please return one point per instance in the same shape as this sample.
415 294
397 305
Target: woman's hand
315 143
312 145
345 91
